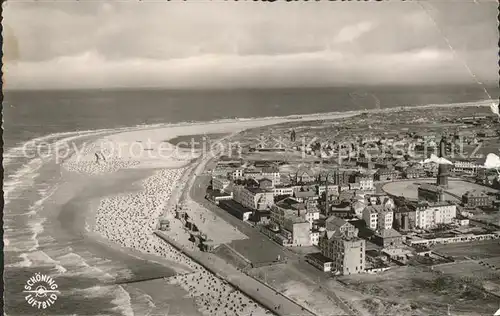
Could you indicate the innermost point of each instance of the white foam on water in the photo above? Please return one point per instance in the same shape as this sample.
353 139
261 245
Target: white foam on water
25 175
39 259
23 178
123 302
25 263
77 265
121 298
37 228
45 194
73 259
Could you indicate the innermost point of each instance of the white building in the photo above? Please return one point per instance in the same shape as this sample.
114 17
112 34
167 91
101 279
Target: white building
465 166
378 217
283 190
220 183
312 214
365 182
237 174
314 238
253 198
429 215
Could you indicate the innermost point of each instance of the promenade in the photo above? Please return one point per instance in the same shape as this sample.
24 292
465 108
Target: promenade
261 293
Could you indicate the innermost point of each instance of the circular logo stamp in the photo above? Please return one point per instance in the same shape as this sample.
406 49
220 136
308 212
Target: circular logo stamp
41 291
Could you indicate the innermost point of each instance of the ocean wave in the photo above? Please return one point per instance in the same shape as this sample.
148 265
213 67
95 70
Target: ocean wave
121 298
23 177
38 259
122 302
78 265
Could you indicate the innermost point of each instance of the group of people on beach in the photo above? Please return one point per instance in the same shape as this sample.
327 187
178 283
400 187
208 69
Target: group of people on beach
130 221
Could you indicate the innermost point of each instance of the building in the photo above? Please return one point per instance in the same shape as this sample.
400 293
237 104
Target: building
314 235
237 173
304 176
282 190
380 199
291 207
365 182
164 224
332 189
217 196
378 217
405 218
443 169
252 172
476 199
297 231
465 166
414 172
221 171
220 183
266 183
430 192
320 261
236 209
348 230
254 198
340 243
354 186
304 196
273 174
388 238
430 215
341 177
401 165
387 174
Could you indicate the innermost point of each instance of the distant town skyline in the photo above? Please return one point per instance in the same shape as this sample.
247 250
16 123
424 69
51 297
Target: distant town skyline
90 44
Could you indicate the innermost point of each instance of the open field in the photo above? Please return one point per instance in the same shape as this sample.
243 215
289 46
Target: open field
413 291
408 188
490 217
473 269
228 255
473 250
258 249
299 287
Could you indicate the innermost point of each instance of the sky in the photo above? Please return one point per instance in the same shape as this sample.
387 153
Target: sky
214 44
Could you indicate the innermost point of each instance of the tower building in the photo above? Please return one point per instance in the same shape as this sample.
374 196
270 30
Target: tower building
443 169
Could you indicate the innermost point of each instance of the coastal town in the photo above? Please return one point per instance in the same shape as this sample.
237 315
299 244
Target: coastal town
352 205
249 158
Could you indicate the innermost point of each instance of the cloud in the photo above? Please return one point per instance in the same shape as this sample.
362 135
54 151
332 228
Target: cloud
492 162
88 43
352 32
320 68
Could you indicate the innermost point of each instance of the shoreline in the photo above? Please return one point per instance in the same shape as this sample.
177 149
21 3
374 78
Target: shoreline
319 115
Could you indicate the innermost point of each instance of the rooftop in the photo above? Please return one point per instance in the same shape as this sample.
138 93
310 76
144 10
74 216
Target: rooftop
476 193
258 190
270 170
388 233
290 203
377 208
318 256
